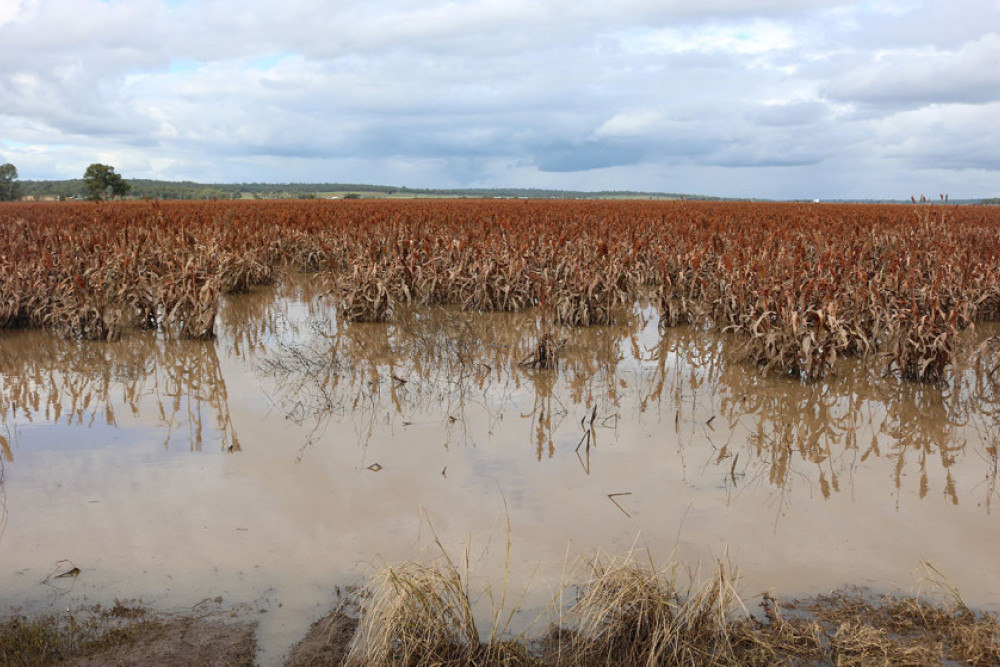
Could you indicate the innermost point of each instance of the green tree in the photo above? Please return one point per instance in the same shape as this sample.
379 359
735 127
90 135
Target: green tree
100 181
10 189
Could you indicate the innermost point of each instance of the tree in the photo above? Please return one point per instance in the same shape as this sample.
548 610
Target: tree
101 181
9 187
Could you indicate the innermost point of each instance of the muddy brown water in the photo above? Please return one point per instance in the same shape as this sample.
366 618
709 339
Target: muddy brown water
287 459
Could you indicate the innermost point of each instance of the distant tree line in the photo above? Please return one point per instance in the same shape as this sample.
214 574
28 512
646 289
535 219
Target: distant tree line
101 181
155 189
77 188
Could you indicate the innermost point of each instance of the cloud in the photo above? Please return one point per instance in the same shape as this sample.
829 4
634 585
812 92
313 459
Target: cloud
632 124
644 94
968 74
9 10
585 156
751 38
949 136
786 114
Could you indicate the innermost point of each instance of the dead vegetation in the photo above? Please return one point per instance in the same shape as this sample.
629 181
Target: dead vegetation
418 615
801 284
626 613
631 614
415 614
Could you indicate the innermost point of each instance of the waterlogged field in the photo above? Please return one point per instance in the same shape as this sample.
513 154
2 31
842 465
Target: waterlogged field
266 403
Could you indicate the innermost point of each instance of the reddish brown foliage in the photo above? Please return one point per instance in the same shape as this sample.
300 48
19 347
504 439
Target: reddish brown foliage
802 283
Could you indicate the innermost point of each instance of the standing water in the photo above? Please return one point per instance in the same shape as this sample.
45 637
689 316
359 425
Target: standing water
294 455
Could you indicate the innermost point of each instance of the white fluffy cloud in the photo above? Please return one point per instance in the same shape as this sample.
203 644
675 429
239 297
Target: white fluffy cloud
778 98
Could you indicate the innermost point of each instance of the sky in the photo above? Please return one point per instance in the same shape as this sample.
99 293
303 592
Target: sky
765 98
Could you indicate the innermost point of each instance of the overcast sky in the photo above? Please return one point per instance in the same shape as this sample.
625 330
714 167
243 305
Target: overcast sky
762 98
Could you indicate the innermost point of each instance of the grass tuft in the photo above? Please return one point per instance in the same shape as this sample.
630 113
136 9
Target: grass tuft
631 614
415 614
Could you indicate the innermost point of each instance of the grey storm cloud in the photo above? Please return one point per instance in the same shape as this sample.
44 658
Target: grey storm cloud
779 95
585 156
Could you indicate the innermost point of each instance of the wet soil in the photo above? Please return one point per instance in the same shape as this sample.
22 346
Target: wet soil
180 643
850 626
327 642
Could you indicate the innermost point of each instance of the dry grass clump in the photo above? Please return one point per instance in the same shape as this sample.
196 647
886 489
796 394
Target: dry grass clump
417 615
624 616
629 614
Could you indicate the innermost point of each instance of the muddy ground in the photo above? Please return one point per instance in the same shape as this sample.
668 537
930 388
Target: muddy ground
853 627
128 635
125 636
179 643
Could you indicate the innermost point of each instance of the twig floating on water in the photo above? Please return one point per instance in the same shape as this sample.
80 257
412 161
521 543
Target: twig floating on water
612 496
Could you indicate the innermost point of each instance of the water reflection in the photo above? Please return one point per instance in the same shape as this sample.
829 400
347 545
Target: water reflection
176 385
249 323
732 427
638 432
822 432
462 370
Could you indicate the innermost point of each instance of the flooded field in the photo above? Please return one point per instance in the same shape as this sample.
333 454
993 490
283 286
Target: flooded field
271 468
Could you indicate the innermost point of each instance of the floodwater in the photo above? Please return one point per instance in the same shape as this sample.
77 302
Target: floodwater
286 460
